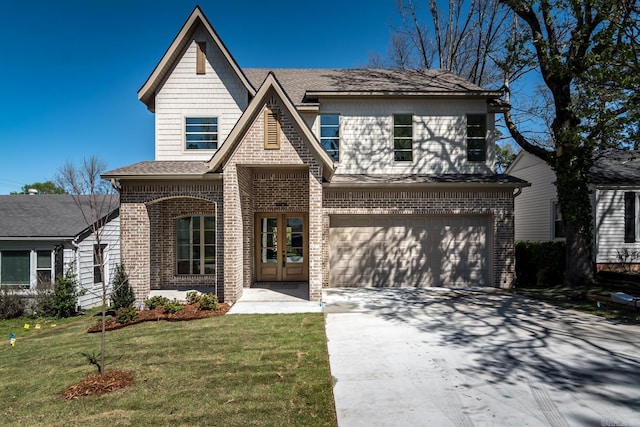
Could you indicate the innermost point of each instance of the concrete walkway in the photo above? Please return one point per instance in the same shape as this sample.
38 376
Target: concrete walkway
438 357
274 300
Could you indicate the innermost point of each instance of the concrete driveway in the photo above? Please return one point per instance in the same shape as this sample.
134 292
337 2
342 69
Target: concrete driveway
437 357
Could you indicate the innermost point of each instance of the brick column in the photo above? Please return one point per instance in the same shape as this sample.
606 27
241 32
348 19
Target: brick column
233 235
134 247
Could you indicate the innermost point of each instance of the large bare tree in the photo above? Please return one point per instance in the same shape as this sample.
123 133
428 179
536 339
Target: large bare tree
586 52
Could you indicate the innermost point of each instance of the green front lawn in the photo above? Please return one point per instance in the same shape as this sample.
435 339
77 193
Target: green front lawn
238 370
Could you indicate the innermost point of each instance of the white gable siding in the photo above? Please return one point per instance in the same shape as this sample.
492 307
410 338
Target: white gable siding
110 235
609 225
534 206
217 93
439 134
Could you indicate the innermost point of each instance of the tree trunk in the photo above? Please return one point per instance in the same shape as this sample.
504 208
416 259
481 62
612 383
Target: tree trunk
571 165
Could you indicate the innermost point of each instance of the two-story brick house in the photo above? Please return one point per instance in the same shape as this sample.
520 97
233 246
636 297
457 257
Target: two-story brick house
319 177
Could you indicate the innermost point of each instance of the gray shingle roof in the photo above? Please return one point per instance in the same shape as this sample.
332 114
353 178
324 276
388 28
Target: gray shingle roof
156 168
616 167
296 82
47 215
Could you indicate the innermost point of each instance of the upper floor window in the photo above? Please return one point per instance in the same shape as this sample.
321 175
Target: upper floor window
558 228
403 137
196 245
330 134
630 217
476 137
201 133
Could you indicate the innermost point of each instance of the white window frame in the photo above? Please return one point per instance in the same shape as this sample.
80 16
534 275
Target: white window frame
555 209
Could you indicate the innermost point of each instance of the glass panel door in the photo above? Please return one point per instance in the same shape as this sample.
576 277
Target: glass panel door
281 247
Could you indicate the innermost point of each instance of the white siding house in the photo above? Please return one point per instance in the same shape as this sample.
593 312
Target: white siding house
535 208
615 191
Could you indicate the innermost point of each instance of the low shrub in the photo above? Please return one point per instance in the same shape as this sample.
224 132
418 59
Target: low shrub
208 302
540 263
12 305
64 299
156 301
126 315
172 307
193 297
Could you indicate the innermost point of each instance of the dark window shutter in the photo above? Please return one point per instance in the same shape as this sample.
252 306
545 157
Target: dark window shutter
629 217
59 261
201 57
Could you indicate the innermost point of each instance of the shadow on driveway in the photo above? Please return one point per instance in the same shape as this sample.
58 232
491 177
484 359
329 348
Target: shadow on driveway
477 357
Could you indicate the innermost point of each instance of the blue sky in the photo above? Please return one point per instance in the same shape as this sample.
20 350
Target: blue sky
71 69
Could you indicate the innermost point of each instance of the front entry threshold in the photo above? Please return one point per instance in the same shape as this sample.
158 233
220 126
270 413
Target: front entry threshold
281 291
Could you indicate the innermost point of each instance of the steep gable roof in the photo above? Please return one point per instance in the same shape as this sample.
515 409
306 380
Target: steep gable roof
146 93
270 85
48 215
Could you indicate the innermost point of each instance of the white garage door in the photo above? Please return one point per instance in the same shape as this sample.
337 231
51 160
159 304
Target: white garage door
409 250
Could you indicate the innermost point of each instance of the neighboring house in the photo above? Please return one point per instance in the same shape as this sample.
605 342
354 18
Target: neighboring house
319 177
615 189
43 235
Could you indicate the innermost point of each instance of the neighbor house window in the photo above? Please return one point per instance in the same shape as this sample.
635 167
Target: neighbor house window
201 58
629 217
196 245
558 229
14 268
98 262
476 137
43 267
403 137
330 134
201 133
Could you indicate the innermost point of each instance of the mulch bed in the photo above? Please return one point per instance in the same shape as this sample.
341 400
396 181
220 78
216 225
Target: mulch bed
188 312
98 384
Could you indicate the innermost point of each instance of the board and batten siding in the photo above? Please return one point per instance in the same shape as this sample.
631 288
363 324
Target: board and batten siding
217 93
110 236
534 206
439 135
609 225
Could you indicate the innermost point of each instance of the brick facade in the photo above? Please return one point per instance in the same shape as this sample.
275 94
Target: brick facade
147 234
289 179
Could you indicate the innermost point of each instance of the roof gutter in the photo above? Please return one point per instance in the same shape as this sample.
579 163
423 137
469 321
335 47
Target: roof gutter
395 185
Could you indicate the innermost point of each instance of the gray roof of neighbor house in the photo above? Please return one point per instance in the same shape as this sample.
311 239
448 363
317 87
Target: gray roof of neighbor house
306 84
49 215
616 167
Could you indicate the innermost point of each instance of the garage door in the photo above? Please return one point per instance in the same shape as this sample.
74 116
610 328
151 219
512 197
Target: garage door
409 250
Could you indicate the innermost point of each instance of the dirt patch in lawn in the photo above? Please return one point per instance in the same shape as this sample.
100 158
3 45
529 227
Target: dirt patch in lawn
188 312
98 384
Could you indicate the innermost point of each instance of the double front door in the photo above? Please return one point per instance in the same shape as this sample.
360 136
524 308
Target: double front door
282 247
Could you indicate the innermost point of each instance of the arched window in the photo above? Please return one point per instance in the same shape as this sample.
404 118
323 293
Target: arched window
196 245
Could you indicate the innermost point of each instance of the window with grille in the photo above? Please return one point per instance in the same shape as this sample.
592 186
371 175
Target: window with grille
476 137
403 137
330 135
196 245
201 133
